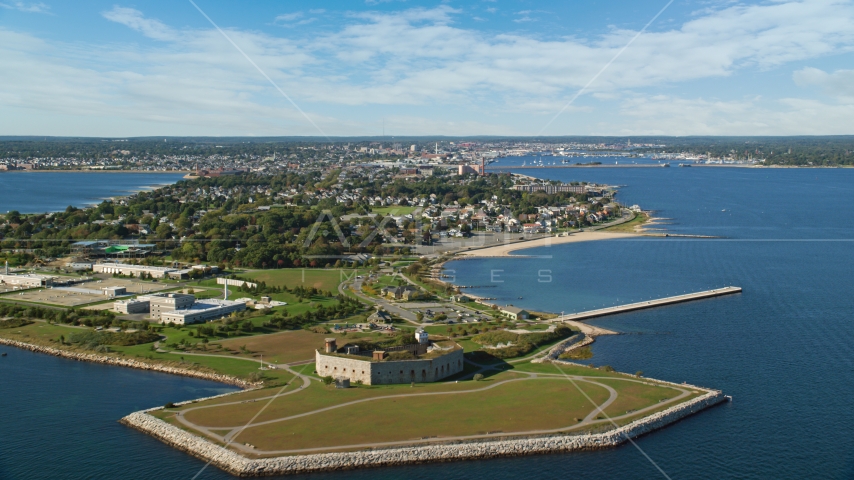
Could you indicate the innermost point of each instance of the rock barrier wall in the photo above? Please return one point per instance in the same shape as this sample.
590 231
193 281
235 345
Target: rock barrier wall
130 363
241 466
564 346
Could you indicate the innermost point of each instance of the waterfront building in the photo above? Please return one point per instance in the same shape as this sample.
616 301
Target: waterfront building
514 313
535 187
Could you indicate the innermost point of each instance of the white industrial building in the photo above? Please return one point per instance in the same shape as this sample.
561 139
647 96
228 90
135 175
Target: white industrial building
202 311
134 270
26 280
132 306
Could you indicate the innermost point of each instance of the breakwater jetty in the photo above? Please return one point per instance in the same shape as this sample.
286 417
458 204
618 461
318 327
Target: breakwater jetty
647 304
242 466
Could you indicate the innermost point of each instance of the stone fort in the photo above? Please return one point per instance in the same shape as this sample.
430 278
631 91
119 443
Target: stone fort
376 369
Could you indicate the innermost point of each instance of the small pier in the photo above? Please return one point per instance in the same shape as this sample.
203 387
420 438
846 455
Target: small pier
580 316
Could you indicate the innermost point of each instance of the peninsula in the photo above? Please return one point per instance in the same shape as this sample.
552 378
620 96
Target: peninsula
321 293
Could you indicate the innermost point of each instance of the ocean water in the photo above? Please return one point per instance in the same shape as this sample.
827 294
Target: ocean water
39 192
784 348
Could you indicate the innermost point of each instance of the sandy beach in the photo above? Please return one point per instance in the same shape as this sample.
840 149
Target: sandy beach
505 250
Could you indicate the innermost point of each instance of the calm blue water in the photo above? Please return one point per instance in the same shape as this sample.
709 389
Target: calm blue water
548 160
39 192
783 348
60 419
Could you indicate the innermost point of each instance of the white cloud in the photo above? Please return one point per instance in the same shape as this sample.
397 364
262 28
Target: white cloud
837 84
37 7
136 20
421 59
289 17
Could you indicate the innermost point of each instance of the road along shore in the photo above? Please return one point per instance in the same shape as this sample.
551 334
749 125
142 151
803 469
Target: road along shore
129 363
239 465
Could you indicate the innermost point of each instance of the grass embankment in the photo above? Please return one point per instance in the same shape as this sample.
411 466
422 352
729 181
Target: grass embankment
45 334
632 226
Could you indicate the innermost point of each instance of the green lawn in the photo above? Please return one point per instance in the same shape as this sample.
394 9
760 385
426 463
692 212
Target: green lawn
504 408
326 279
395 210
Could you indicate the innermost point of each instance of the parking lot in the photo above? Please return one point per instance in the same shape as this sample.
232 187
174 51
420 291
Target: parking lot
454 313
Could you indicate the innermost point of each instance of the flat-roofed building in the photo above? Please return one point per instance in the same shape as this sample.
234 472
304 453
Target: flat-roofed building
133 270
26 280
161 303
202 311
131 306
113 292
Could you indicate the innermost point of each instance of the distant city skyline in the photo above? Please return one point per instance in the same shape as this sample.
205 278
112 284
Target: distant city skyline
486 67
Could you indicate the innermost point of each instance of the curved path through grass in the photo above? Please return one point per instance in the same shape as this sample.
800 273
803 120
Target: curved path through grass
591 419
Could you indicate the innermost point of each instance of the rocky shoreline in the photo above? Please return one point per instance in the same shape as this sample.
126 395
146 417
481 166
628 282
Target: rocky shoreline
129 363
241 466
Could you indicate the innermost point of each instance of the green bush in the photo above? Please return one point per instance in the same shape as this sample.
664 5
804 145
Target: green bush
582 353
477 377
14 323
403 355
521 343
92 340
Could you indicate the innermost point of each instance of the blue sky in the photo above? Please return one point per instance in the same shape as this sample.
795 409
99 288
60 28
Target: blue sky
500 67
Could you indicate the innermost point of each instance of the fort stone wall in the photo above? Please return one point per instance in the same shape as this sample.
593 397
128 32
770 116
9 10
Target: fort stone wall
391 372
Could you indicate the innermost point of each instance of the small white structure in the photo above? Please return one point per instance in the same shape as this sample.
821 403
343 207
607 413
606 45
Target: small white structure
422 337
113 292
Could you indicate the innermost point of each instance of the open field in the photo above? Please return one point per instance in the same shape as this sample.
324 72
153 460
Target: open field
292 277
283 347
314 418
395 210
506 408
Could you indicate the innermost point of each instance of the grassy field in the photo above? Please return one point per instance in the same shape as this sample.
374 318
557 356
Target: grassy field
506 408
319 396
629 227
469 408
284 347
292 277
396 210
